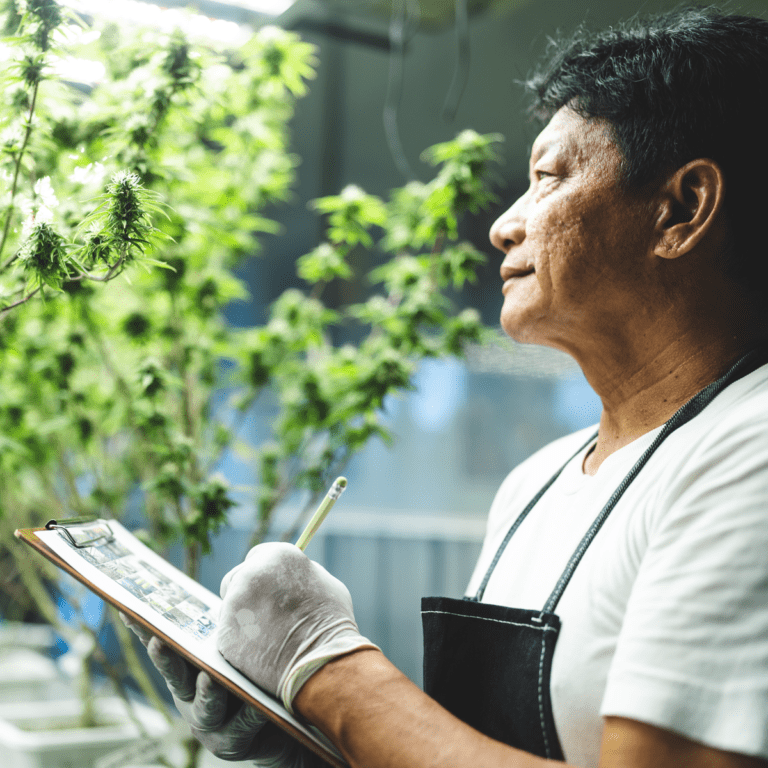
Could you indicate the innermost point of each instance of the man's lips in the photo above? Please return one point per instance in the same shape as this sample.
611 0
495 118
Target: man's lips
509 273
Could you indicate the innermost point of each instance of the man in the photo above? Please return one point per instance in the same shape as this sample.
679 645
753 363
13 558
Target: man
619 611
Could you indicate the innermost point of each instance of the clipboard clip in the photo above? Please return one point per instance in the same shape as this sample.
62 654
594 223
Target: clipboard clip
99 532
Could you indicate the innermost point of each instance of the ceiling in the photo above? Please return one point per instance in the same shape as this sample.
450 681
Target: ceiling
433 14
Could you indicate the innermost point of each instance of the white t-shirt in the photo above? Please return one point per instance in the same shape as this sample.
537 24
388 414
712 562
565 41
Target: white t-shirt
666 617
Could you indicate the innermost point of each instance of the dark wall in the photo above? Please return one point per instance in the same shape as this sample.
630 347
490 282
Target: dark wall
338 130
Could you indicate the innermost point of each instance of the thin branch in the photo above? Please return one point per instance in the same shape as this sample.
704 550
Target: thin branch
99 656
8 307
122 384
76 499
10 262
317 289
113 273
235 428
309 507
433 259
261 531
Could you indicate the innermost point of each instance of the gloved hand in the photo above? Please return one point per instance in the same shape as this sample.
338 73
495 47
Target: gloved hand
283 617
225 726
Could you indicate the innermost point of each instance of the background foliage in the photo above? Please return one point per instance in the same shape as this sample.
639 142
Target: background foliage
155 181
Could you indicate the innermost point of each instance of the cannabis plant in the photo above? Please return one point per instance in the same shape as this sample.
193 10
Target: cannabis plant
154 180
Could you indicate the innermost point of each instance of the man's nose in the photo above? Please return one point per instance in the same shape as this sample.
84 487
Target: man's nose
509 228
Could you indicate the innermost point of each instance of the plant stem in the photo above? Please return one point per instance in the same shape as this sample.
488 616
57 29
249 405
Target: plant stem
136 668
309 507
117 681
237 425
75 500
261 531
122 384
85 689
434 260
8 307
193 559
17 171
30 577
193 748
111 273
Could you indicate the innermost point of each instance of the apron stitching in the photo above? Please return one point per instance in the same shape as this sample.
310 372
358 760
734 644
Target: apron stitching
545 628
541 697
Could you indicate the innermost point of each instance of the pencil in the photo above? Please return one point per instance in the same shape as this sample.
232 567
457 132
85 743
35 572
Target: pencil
325 507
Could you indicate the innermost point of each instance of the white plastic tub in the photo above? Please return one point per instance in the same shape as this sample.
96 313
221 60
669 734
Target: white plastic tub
27 675
43 734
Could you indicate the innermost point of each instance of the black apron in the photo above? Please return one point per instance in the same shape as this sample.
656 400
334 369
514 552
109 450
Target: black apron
489 664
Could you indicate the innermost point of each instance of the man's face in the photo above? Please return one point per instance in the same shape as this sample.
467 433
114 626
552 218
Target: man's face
576 246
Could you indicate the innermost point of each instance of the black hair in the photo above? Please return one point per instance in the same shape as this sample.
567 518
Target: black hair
675 87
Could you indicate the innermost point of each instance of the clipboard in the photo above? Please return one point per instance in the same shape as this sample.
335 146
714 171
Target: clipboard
72 545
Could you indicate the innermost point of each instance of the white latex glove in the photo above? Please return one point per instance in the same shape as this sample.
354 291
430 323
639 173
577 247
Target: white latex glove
283 617
224 725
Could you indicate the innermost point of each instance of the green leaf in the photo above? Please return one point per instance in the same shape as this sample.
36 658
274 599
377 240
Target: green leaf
323 264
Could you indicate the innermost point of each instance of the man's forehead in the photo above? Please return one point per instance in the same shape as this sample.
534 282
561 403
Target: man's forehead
568 131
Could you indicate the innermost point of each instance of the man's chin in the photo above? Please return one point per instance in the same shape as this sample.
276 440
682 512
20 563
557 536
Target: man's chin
526 331
519 328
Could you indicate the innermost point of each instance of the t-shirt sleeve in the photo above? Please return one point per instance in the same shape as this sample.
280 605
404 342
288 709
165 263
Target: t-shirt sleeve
692 654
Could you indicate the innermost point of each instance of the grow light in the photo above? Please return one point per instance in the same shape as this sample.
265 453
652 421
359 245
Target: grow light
268 7
195 25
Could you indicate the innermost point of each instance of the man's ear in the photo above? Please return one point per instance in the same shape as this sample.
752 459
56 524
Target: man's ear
689 205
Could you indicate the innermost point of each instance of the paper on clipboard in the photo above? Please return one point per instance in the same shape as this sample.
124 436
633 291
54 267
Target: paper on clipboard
112 562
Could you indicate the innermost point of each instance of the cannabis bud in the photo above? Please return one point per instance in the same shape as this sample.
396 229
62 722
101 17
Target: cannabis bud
44 254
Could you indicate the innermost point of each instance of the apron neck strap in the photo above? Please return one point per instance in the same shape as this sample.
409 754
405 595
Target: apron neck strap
744 366
531 504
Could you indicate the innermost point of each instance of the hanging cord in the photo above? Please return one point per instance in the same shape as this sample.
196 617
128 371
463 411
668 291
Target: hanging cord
461 72
401 13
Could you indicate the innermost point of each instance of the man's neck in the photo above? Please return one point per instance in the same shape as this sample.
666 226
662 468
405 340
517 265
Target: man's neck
640 395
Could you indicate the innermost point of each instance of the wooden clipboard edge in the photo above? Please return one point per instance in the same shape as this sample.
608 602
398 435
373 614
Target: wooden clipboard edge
28 536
